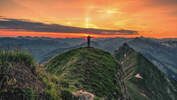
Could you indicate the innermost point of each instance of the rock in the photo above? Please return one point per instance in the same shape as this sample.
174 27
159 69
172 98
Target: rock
83 95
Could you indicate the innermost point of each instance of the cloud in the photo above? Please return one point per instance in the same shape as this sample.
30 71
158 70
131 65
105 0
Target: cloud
163 2
26 25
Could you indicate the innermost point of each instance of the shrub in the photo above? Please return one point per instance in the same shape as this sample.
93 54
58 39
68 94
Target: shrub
64 84
66 95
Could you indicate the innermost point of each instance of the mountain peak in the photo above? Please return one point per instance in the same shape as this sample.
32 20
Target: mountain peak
91 70
124 50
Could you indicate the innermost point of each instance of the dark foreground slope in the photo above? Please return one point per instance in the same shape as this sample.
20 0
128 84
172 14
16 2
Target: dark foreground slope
144 80
18 77
89 71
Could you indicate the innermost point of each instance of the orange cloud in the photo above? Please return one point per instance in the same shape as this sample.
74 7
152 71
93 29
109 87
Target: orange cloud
6 33
151 18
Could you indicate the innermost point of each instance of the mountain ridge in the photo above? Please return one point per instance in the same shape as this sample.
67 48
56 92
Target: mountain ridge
91 70
143 79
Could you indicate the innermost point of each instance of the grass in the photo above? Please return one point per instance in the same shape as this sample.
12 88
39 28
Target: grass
88 69
13 57
18 74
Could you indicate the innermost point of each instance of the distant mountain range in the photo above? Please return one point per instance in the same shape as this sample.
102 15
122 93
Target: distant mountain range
161 52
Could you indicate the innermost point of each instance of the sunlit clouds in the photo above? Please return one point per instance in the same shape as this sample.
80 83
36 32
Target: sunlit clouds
150 18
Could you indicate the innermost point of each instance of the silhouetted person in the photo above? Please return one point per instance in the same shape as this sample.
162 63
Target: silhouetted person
88 41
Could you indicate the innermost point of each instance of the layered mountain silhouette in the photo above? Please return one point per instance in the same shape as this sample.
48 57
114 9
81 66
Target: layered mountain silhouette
161 52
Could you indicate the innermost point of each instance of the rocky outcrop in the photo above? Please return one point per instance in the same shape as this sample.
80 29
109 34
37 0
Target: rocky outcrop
83 95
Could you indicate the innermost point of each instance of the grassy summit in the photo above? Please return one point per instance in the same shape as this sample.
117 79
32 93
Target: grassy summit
144 80
88 69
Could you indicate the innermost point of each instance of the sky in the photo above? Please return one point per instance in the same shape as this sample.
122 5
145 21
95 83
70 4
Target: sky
98 18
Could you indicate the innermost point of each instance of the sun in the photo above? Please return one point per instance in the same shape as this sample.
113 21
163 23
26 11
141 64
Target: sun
112 11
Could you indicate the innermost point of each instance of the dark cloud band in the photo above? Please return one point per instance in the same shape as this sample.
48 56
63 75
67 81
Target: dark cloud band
16 24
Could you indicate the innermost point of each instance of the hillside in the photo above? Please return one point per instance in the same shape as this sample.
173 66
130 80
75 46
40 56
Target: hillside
91 71
18 77
161 52
163 56
38 46
143 79
86 74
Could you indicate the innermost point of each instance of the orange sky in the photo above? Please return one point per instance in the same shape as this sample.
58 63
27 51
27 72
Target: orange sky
150 18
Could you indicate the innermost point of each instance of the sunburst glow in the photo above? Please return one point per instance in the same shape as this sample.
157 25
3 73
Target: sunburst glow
112 11
87 22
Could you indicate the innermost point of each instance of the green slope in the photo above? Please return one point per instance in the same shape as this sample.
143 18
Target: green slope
18 76
144 81
91 70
